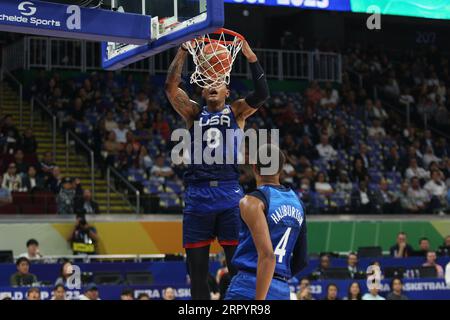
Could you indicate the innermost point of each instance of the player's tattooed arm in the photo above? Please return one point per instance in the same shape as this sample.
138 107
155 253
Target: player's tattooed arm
179 99
252 212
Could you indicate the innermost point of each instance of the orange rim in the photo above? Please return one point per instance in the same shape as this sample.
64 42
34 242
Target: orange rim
225 31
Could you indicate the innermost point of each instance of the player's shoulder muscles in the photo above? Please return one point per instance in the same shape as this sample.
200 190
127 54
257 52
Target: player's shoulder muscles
252 212
251 208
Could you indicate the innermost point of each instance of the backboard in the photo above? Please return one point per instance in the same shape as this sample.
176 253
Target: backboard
172 23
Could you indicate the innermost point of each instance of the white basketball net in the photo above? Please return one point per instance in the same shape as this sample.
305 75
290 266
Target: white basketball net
212 69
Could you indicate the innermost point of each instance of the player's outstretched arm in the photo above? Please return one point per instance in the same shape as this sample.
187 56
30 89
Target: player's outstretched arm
244 108
252 212
179 99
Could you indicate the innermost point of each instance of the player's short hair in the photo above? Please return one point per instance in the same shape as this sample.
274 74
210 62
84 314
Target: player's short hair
273 152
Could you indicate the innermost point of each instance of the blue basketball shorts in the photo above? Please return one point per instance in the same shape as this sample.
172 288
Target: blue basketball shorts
243 287
211 212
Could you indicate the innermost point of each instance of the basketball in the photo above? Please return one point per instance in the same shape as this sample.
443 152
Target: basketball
216 60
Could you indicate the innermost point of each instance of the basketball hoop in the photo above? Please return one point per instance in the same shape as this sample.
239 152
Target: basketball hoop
214 55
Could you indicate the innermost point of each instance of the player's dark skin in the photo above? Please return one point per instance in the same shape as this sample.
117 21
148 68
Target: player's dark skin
215 100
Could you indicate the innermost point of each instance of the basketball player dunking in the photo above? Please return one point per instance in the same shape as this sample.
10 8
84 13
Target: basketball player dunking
212 190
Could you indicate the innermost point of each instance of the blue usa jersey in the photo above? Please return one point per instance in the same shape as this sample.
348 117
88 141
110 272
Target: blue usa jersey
285 218
219 140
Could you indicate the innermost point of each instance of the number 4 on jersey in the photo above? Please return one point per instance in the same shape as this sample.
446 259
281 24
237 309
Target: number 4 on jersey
280 249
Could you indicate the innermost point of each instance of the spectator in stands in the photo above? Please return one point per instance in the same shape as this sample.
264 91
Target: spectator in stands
59 292
418 195
11 180
415 171
313 93
354 292
143 296
127 294
161 127
424 247
288 173
20 164
342 141
5 194
359 173
376 130
427 140
110 123
304 292
386 201
305 149
429 157
145 161
322 186
65 273
54 180
91 293
431 262
34 294
22 277
393 162
396 290
325 150
84 237
160 171
29 143
141 134
66 197
437 190
352 267
344 185
47 164
363 199
141 102
10 132
32 181
86 205
378 112
121 132
328 101
169 294
324 265
112 148
33 252
444 250
401 249
362 155
332 292
373 294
